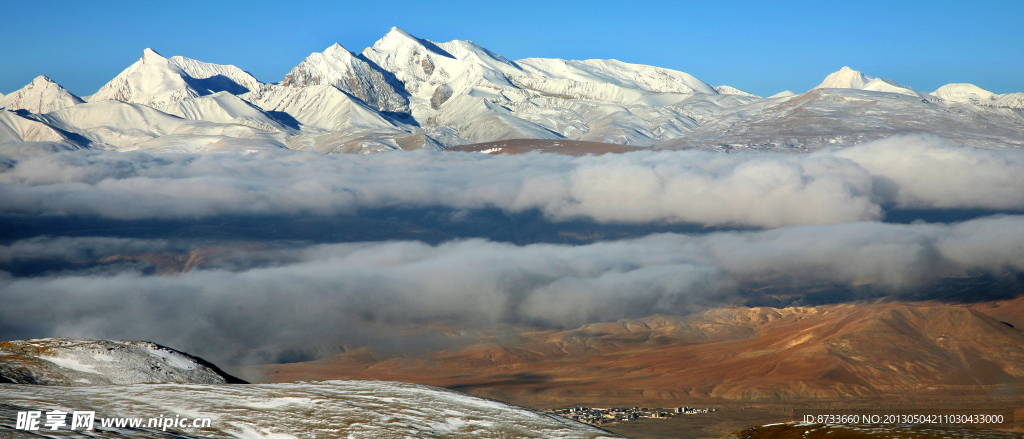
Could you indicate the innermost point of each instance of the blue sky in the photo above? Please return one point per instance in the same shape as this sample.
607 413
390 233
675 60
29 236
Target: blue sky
761 47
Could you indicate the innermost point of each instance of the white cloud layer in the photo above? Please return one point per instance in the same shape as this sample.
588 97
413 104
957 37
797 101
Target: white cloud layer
310 294
756 190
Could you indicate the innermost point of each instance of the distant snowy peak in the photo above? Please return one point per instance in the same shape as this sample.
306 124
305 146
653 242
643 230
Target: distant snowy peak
853 79
727 90
338 67
845 78
160 82
71 362
964 93
783 94
42 95
972 94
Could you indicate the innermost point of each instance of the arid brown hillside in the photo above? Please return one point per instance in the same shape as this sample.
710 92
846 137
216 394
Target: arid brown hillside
1008 311
833 351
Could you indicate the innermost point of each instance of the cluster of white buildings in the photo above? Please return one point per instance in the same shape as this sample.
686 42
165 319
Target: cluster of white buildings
595 416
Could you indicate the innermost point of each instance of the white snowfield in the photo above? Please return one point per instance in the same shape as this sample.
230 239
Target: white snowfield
835 117
406 93
325 409
71 362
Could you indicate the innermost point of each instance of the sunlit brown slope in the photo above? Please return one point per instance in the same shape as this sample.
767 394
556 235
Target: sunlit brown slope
1009 311
747 353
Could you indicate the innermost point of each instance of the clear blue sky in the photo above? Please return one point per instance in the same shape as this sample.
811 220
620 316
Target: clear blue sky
759 46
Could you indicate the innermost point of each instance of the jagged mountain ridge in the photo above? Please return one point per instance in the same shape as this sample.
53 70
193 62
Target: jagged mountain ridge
408 93
352 74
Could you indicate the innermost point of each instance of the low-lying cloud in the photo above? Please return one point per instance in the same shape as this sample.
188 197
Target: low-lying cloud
747 190
271 299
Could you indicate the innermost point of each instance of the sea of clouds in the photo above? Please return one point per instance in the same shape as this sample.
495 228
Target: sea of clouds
806 220
755 190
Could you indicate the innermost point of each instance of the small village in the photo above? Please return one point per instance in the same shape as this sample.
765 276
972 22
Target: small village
598 416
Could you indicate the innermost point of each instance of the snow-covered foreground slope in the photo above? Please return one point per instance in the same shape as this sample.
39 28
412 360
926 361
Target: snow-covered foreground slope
327 409
71 362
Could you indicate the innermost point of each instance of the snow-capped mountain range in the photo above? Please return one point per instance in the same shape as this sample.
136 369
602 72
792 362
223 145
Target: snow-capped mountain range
407 93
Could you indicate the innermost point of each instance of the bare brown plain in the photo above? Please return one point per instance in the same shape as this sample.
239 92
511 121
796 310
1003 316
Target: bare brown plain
757 364
749 354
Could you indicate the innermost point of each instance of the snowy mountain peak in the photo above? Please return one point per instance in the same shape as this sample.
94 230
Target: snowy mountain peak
845 78
338 51
396 37
161 82
397 32
853 79
340 68
963 93
151 55
400 41
727 90
42 95
972 94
